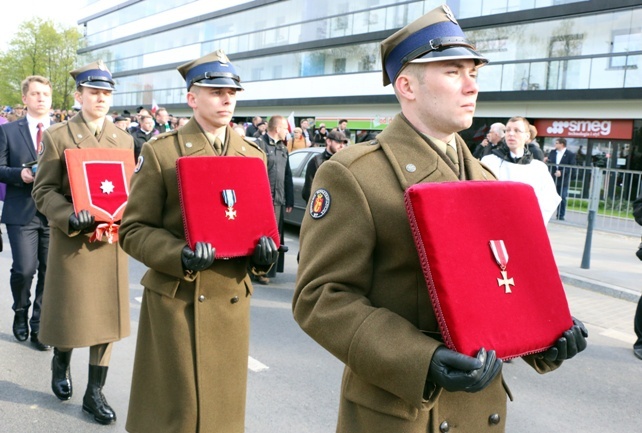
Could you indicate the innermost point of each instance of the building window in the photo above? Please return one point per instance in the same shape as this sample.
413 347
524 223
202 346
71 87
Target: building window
367 63
339 66
625 41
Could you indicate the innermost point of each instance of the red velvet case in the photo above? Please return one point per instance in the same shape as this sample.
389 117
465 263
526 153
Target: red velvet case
453 224
232 230
99 181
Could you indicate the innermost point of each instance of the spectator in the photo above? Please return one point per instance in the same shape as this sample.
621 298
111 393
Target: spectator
122 122
27 228
343 127
261 129
162 120
360 292
493 139
143 134
253 127
19 110
86 295
297 141
561 158
512 160
637 320
320 135
334 143
190 368
305 131
533 145
182 121
273 144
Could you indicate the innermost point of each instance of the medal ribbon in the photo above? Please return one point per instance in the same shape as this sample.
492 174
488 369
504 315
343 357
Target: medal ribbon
500 253
229 197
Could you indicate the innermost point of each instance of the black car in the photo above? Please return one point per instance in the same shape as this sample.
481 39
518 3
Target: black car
298 163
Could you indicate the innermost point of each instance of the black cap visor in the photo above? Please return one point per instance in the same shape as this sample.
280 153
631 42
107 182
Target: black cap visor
451 53
217 82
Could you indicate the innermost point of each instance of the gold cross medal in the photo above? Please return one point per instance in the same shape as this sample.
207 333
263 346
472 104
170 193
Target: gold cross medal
501 257
229 197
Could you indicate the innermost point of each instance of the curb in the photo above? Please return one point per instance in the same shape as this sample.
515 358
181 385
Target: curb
601 287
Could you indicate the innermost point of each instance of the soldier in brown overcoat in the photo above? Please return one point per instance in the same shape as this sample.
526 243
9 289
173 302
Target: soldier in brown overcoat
86 301
360 290
190 369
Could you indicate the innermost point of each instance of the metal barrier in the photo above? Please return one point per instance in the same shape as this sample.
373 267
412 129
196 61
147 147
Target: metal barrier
614 192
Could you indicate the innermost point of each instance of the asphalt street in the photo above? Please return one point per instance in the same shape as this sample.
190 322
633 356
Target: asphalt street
294 384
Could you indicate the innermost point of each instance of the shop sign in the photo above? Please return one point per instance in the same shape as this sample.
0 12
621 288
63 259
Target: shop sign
585 128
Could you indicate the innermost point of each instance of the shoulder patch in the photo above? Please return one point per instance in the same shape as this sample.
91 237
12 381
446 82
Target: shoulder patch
320 203
139 164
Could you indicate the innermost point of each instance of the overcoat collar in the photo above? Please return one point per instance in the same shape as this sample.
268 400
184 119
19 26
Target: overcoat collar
415 159
192 140
83 137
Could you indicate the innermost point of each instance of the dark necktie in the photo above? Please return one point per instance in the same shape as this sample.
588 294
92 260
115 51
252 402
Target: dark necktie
39 136
452 154
217 146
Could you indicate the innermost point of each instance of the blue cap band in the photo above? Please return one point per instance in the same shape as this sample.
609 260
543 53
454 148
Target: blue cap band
86 76
216 69
395 60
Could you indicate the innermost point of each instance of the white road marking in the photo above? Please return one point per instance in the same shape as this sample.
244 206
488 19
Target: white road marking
255 366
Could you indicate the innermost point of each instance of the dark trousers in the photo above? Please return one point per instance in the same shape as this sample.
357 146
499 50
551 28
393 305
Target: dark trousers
562 190
637 325
280 264
29 248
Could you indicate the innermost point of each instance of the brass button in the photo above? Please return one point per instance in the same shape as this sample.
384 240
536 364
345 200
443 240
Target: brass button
234 300
494 419
201 298
444 427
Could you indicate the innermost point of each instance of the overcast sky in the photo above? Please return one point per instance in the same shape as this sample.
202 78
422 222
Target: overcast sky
60 11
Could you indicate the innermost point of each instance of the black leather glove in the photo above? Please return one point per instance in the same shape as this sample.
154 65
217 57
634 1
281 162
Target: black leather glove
265 252
81 221
457 372
201 258
570 344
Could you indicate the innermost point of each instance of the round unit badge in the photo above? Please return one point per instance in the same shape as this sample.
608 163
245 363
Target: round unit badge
320 203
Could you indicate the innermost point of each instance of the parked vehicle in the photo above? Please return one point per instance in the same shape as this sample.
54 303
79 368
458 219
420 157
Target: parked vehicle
298 163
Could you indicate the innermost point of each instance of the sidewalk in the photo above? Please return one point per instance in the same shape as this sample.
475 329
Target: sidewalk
613 269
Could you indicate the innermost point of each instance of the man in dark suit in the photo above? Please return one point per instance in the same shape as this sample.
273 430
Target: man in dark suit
27 228
561 157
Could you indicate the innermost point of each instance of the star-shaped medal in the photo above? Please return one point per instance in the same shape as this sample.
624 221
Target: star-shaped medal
107 187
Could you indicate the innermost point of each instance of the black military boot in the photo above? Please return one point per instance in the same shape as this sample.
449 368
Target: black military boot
61 374
94 402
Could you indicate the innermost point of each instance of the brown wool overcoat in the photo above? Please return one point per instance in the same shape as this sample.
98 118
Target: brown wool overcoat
190 368
361 294
86 294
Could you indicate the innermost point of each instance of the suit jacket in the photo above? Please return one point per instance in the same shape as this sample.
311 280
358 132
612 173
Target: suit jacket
567 159
16 148
361 293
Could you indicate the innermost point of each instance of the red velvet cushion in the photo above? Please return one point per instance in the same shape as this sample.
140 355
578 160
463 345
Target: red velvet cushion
453 223
207 218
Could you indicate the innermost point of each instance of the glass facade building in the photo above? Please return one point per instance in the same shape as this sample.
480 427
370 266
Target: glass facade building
550 60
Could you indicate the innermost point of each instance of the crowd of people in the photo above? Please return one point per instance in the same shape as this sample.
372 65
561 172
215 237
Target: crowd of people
357 292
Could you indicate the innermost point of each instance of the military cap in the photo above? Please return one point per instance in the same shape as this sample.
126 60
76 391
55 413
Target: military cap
434 37
212 70
94 75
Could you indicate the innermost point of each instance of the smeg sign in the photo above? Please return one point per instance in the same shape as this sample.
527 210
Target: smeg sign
585 128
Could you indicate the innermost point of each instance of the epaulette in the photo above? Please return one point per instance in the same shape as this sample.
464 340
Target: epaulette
163 135
352 153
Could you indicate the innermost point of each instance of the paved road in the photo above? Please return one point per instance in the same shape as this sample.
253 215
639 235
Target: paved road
294 384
